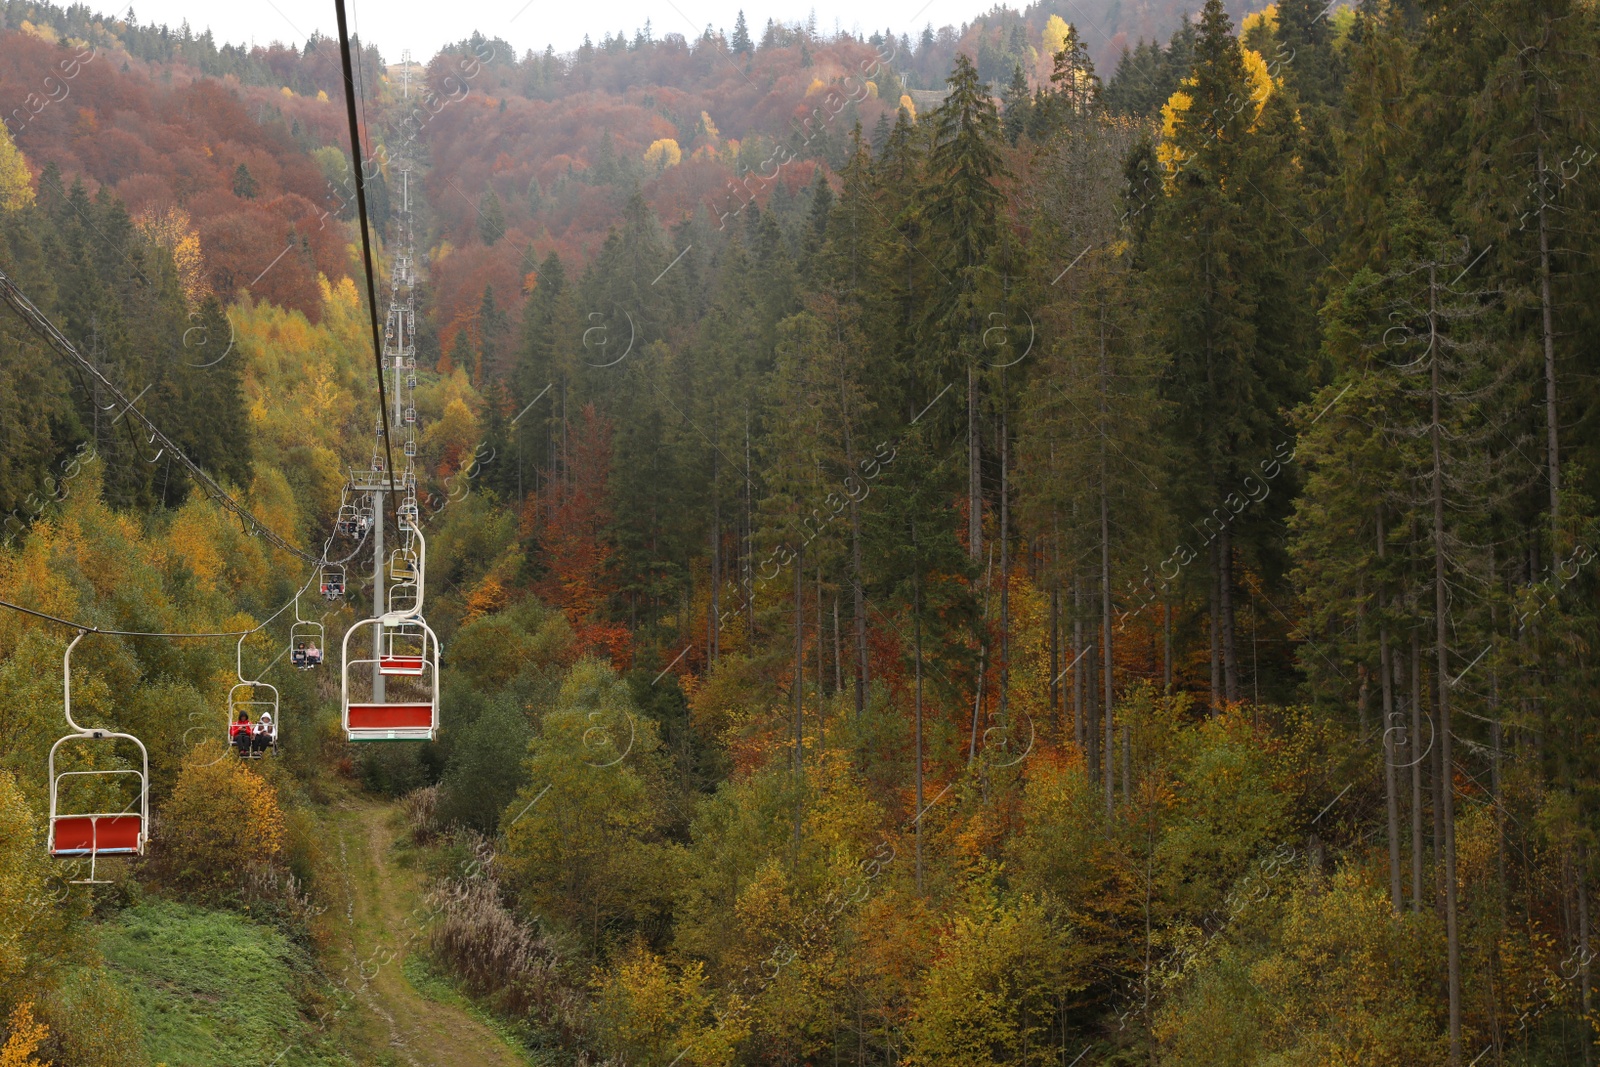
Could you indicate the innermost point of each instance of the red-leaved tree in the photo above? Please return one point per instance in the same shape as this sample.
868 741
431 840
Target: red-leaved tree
571 519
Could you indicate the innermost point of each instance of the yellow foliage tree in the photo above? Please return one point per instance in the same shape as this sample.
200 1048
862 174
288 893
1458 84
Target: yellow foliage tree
22 891
651 1015
1267 15
664 152
712 133
911 109
1261 87
222 819
25 1038
1055 35
170 228
16 181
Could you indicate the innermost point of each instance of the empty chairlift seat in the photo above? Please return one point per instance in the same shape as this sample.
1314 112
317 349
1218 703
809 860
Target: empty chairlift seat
405 648
408 664
118 828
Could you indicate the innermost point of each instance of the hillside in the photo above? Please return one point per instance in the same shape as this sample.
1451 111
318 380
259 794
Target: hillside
921 550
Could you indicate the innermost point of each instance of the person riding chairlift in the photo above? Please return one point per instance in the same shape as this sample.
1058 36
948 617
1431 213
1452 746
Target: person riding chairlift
263 739
240 733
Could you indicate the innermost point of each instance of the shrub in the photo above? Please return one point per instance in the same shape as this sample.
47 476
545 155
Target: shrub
222 819
485 767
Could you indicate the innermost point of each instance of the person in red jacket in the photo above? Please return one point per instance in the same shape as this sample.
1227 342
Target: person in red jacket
240 731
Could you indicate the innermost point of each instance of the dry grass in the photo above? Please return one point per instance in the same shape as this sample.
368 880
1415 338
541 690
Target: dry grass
501 961
421 808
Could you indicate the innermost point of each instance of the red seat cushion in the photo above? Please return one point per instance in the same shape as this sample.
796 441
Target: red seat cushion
82 834
391 716
400 663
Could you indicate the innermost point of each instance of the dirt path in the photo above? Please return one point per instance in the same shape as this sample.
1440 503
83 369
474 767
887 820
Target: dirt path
384 916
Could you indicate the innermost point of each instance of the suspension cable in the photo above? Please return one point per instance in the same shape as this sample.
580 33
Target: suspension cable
366 249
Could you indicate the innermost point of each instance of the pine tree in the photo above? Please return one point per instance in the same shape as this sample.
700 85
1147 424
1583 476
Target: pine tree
740 43
1236 302
1015 105
491 218
963 204
244 183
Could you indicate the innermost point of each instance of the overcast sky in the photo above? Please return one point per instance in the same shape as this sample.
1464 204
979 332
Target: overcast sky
424 25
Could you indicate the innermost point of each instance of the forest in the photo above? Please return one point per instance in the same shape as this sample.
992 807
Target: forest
993 544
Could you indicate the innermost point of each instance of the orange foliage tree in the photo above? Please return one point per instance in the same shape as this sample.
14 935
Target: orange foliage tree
222 819
580 579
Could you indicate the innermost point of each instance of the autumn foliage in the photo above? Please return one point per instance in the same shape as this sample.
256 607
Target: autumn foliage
572 523
222 819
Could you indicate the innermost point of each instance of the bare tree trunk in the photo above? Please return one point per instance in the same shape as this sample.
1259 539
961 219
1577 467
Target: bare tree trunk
1363 681
749 536
1582 875
1166 639
799 698
857 591
1391 800
819 631
983 662
1105 652
974 470
1442 688
1216 630
1053 691
1417 756
916 615
1552 422
1005 565
799 660
1079 730
838 651
1230 652
1106 649
714 615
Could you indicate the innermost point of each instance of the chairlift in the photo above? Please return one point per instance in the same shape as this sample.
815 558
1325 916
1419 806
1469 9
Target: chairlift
94 834
405 647
412 717
348 522
333 581
243 698
411 380
306 638
410 447
402 565
258 702
405 598
408 510
411 416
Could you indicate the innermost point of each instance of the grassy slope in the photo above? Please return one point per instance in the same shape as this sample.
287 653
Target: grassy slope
213 988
